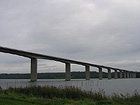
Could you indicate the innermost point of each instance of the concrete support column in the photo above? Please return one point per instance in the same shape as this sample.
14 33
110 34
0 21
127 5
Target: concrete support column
127 74
120 73
116 74
109 73
135 75
68 72
87 68
124 74
100 73
33 69
130 75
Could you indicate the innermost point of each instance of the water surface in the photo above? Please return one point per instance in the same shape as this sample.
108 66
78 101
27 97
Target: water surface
118 86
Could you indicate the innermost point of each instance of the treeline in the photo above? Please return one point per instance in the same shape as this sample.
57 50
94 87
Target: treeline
74 75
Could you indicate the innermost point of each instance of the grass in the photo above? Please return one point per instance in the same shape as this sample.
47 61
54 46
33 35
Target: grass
37 95
51 92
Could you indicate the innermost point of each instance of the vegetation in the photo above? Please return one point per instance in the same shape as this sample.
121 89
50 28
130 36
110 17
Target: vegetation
74 75
37 95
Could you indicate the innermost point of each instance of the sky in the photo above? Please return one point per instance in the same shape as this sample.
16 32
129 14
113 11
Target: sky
104 32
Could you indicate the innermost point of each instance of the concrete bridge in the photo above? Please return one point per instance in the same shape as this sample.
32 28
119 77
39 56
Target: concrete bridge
34 56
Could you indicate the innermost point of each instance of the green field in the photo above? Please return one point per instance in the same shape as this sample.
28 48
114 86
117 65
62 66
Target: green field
61 96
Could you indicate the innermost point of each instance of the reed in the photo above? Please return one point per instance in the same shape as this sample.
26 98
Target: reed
51 92
45 95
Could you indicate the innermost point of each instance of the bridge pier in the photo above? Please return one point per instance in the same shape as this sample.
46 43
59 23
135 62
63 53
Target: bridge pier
68 71
130 74
87 68
134 75
124 74
120 73
109 73
100 73
127 74
116 74
33 69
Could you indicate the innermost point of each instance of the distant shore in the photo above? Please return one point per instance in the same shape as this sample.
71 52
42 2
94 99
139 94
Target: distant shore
74 75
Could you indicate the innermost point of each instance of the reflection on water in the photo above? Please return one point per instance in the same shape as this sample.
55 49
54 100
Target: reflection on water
118 86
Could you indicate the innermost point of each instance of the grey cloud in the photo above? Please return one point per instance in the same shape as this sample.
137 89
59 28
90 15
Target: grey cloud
92 30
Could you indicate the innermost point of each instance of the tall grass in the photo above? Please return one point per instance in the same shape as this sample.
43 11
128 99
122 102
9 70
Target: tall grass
51 92
66 95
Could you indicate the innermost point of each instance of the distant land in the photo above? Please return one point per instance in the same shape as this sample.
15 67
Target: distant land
74 75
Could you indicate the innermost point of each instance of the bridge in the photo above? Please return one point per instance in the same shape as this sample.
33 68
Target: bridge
35 56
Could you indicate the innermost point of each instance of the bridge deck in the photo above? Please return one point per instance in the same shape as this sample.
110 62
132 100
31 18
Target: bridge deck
42 56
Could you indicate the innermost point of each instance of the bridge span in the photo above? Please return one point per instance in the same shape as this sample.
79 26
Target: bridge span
35 56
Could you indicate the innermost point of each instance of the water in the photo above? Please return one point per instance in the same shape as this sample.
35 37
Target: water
118 86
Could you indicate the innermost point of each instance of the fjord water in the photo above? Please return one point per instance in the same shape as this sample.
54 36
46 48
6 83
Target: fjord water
109 87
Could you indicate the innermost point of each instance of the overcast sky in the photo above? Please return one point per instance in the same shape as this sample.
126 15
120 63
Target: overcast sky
105 32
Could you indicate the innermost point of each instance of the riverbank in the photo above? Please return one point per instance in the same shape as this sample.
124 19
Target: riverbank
37 95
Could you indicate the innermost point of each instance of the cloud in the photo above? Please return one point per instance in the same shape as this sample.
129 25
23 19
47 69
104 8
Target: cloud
93 31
